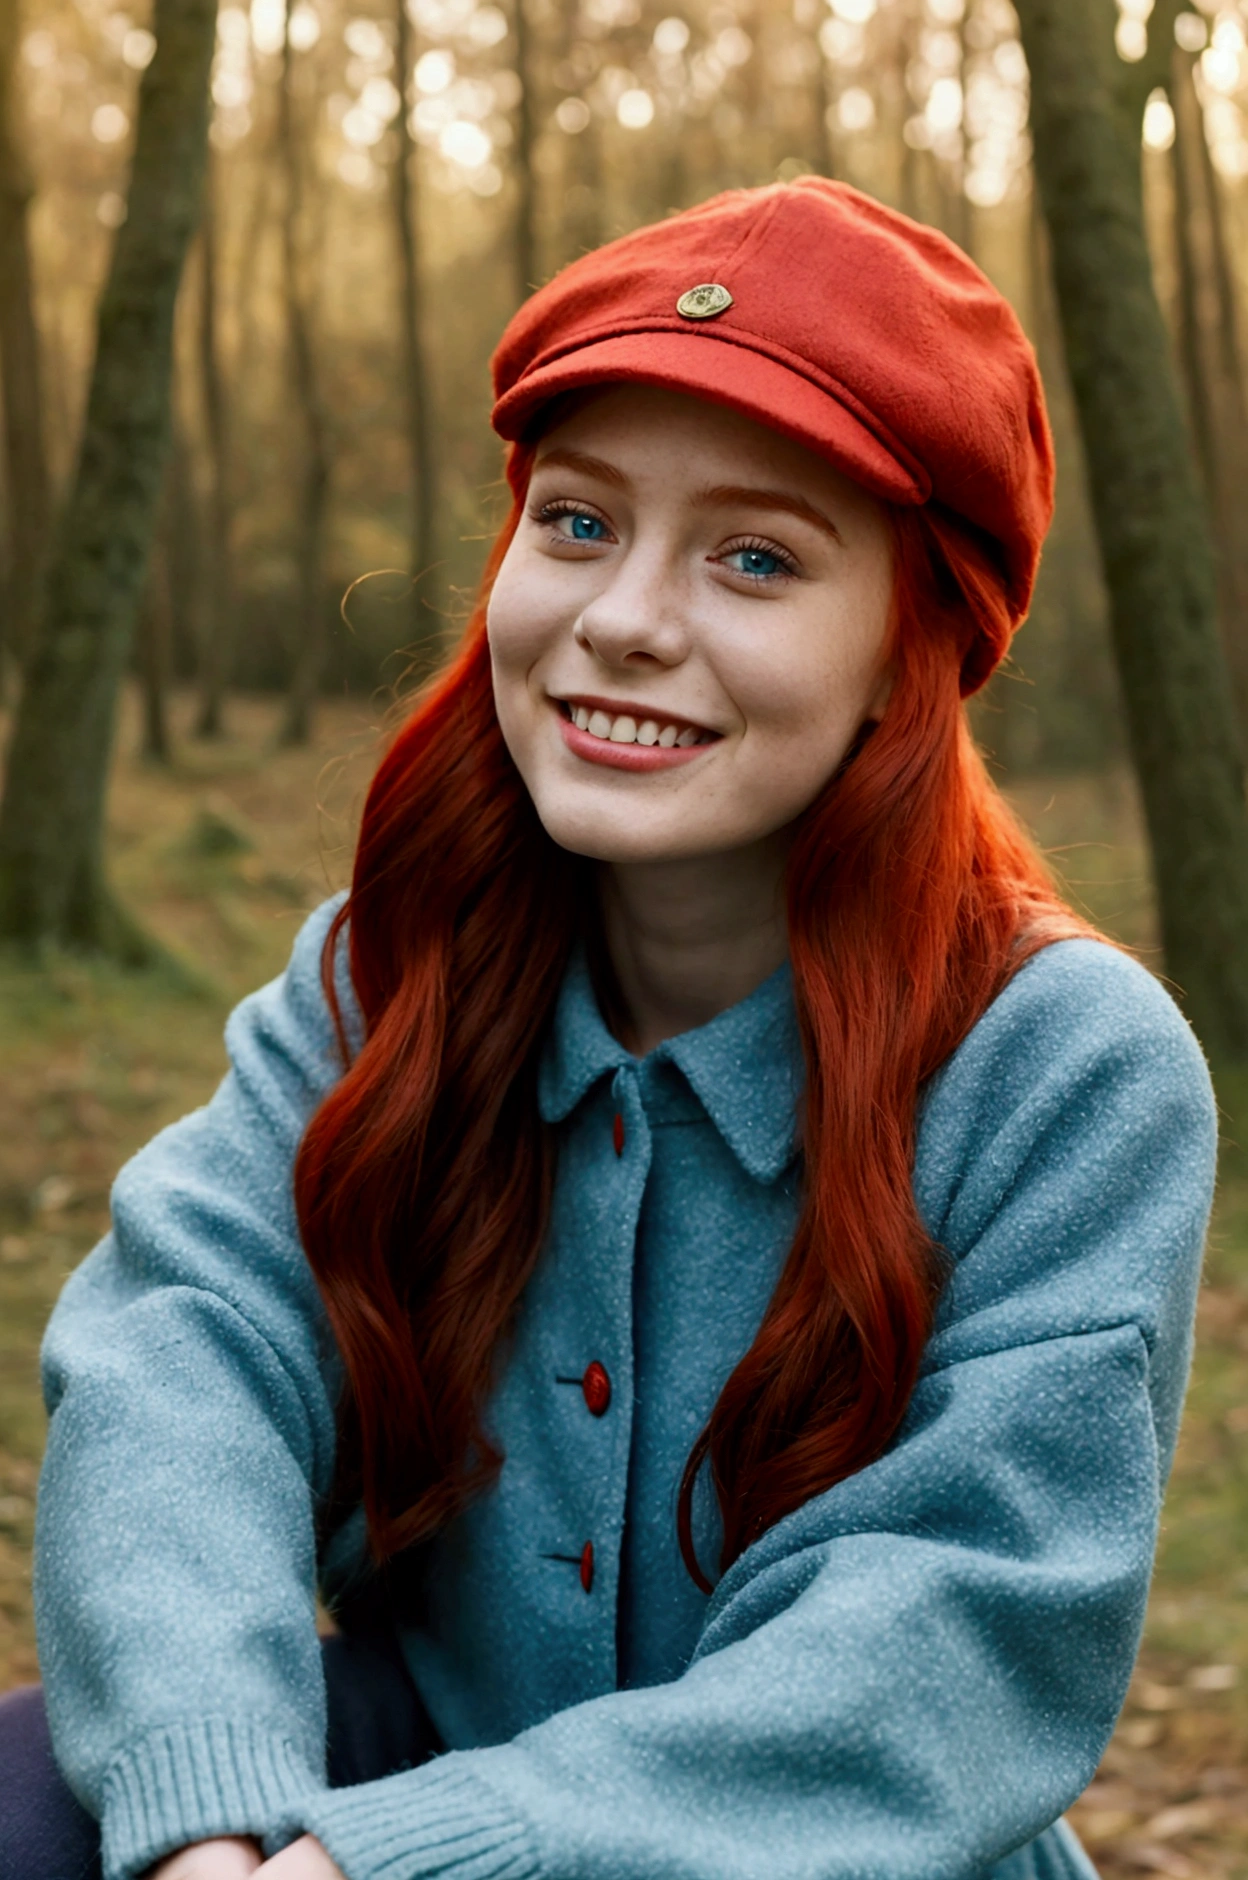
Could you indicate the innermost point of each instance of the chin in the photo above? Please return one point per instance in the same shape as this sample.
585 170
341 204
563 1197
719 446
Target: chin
617 847
631 840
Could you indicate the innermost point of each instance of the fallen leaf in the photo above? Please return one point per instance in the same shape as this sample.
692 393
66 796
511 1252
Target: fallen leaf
1141 1732
54 1193
1150 1696
1183 1818
1213 1678
1097 1825
1157 1859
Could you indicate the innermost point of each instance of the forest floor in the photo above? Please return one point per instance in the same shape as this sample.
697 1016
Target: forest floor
221 855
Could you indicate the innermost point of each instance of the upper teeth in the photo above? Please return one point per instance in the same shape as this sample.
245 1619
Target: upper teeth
626 730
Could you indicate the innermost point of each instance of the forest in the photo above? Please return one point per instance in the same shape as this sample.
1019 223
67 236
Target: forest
252 265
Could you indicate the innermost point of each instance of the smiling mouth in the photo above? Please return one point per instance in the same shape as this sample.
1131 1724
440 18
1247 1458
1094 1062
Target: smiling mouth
633 724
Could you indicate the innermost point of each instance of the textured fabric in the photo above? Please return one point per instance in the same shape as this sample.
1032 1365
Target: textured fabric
377 1726
710 1211
912 1675
865 336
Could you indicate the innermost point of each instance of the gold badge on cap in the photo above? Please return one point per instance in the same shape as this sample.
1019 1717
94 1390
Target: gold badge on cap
704 302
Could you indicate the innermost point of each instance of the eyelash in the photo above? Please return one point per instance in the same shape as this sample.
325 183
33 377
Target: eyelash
758 544
554 511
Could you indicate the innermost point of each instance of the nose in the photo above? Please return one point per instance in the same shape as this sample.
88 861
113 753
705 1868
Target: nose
636 619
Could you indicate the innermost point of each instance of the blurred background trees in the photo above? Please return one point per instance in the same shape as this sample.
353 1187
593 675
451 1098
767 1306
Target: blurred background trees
389 177
1152 521
26 481
52 878
385 180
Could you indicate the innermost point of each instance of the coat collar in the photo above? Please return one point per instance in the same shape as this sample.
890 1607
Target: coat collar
745 1066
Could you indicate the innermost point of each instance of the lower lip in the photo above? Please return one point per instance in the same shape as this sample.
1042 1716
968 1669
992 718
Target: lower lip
627 756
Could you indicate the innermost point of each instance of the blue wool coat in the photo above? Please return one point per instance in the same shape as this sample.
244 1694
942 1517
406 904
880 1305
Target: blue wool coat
909 1678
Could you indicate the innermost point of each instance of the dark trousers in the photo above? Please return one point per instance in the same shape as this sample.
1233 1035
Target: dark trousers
377 1725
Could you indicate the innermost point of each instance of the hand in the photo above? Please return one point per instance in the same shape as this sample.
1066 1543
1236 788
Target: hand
233 1857
304 1859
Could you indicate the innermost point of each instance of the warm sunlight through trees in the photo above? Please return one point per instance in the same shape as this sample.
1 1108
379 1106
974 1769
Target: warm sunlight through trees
386 181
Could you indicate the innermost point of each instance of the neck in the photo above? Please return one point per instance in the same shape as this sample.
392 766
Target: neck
687 939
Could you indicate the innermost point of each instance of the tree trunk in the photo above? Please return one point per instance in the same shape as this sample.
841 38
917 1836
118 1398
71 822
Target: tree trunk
1152 529
52 887
1210 355
26 478
256 233
218 644
155 645
522 162
822 141
578 229
406 201
183 537
962 209
312 645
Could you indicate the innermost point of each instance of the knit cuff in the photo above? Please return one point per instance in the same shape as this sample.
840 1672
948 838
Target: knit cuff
438 1819
192 1781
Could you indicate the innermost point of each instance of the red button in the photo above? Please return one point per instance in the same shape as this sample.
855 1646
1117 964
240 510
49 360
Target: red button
587 1565
596 1386
617 1133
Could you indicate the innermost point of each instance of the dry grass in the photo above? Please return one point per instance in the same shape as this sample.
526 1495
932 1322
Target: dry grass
222 856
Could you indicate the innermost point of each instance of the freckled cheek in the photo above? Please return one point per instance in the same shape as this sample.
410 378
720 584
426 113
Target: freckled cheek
805 695
801 709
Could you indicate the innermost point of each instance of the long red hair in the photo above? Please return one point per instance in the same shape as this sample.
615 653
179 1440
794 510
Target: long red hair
423 1180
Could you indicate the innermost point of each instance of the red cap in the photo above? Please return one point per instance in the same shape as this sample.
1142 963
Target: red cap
834 320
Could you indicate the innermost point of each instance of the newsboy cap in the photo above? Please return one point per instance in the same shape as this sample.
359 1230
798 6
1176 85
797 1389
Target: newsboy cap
834 320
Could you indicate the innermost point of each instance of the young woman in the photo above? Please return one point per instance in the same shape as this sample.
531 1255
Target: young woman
696 1256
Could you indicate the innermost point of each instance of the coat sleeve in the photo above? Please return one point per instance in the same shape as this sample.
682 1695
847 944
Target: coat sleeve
917 1672
188 1372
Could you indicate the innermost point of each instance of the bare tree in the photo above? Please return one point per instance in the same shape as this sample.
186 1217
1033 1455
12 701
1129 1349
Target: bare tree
823 140
312 643
25 460
183 537
52 884
405 196
525 180
155 650
579 228
1153 533
218 641
1212 365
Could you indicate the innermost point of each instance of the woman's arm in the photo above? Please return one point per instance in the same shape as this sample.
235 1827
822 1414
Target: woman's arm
917 1672
188 1377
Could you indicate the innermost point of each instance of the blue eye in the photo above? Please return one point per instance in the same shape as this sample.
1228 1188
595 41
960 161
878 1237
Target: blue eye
586 528
572 525
758 562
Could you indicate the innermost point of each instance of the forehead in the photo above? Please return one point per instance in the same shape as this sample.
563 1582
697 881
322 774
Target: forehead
635 427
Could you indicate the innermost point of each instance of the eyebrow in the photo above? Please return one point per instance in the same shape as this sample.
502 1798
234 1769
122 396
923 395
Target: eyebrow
783 502
588 466
717 496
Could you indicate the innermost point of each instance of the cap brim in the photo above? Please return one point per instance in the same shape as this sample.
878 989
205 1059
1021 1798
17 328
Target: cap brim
713 366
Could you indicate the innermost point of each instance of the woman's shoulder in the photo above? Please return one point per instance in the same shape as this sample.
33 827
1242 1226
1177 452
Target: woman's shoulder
1083 1059
1065 1163
1076 1010
1092 974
